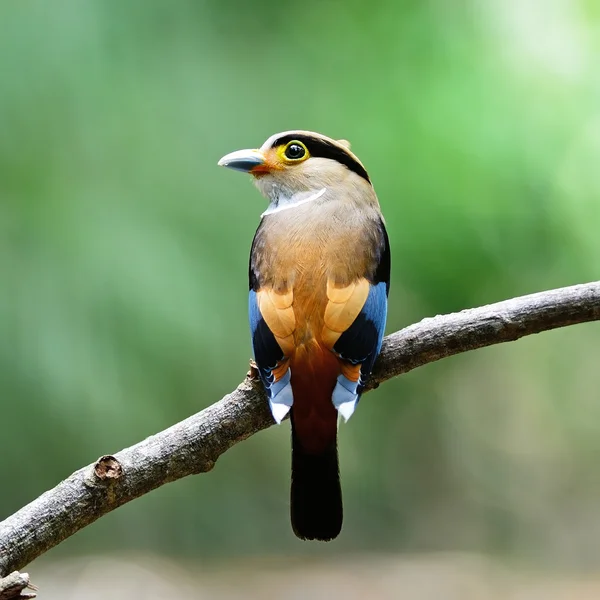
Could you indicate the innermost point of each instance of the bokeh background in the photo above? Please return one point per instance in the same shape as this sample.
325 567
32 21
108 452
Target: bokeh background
123 282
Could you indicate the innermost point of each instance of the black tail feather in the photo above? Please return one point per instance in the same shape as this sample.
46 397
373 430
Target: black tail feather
316 498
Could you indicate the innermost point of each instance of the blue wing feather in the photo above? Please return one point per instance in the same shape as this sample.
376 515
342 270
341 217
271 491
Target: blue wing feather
267 355
267 352
361 342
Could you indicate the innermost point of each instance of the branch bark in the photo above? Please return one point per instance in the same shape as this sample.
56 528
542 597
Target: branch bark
193 446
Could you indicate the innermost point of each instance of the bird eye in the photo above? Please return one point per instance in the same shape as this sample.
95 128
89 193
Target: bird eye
295 151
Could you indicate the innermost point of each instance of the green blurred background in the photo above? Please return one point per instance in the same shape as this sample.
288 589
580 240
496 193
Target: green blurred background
123 260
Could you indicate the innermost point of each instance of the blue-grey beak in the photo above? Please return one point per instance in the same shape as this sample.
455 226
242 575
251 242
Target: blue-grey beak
243 160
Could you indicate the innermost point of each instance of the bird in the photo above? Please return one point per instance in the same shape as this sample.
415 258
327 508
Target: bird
319 278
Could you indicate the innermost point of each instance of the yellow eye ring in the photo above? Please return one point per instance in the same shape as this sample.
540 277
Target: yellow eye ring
293 152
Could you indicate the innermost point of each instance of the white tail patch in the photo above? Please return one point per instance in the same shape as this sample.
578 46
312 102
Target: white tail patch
279 411
282 401
346 409
345 397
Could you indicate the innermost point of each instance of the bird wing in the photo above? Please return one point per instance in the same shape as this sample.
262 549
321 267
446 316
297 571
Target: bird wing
355 319
360 343
272 324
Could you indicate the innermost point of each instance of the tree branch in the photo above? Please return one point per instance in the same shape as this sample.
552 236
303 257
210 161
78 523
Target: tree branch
193 446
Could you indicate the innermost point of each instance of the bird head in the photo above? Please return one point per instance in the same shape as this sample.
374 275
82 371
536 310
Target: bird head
293 166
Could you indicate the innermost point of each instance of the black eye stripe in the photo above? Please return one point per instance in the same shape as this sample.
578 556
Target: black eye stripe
324 149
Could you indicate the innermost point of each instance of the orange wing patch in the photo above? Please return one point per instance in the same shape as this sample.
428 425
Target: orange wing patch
276 309
350 371
281 369
343 306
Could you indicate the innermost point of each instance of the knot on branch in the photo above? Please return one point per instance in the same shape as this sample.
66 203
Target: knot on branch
105 471
108 467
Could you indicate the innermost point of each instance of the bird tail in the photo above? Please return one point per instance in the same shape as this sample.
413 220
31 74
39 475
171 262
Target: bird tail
316 497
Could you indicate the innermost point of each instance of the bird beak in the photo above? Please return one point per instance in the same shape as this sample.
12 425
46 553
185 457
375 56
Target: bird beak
243 160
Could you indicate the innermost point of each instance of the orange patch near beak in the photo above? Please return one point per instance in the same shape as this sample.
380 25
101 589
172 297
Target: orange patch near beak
261 169
272 163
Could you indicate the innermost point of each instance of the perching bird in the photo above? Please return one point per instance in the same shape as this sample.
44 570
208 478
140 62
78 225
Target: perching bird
319 280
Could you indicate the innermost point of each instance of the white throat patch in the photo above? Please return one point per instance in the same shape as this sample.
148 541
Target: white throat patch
293 201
